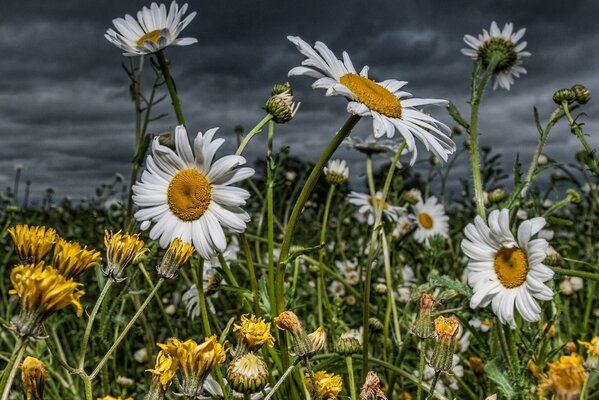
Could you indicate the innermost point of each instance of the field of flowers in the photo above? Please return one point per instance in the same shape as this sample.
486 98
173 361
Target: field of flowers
205 277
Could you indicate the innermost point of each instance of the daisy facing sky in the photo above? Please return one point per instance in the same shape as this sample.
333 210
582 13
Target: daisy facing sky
430 220
189 196
366 206
506 272
153 30
501 44
391 108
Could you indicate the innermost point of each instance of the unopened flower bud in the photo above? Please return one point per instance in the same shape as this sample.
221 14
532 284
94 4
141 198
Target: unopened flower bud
34 378
375 324
289 322
336 172
570 347
424 324
497 195
247 374
176 255
447 331
347 345
280 88
563 95
552 257
582 95
413 196
125 381
542 160
574 195
318 338
476 364
380 288
281 107
457 130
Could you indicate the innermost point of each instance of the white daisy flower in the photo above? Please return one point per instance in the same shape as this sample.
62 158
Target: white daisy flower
336 172
570 285
347 266
501 44
504 271
407 275
404 293
366 206
153 30
431 220
391 108
402 227
189 196
337 289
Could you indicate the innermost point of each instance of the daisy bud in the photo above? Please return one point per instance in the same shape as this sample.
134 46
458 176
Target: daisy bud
413 196
552 258
375 324
562 95
289 322
424 324
254 333
247 374
33 374
347 345
497 195
318 339
582 95
447 331
574 196
280 88
281 107
476 364
121 250
33 243
328 385
542 160
380 288
371 390
176 255
336 172
457 130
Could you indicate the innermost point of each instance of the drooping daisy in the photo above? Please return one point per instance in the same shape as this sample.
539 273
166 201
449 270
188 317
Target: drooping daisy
502 45
366 206
153 30
336 172
431 220
391 108
504 271
189 196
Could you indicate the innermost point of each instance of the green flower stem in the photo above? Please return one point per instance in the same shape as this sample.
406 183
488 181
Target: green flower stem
391 306
170 84
87 386
593 163
370 175
9 373
165 316
323 235
572 272
373 240
255 130
515 365
282 378
90 323
270 183
431 392
225 267
122 335
477 92
202 297
350 374
557 206
421 368
245 246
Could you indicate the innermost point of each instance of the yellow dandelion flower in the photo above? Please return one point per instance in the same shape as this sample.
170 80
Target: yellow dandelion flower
33 243
564 379
592 347
42 291
121 250
176 255
165 368
447 330
114 398
196 360
328 385
254 332
71 259
34 378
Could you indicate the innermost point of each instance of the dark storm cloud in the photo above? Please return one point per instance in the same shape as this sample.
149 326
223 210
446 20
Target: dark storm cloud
66 115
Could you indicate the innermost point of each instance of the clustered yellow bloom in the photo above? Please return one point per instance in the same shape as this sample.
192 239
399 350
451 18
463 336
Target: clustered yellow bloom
564 379
592 347
121 250
34 378
42 291
165 368
33 243
328 385
71 259
254 332
176 255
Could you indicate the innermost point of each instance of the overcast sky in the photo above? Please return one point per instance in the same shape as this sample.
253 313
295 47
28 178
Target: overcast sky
67 118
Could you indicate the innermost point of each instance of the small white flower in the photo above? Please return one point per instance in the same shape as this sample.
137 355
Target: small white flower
153 30
357 334
337 289
366 206
352 277
141 355
542 160
505 272
570 285
547 203
403 294
431 219
337 171
347 266
407 275
402 227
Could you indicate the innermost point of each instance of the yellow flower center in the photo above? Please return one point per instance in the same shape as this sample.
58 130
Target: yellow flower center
425 220
511 266
377 203
189 194
373 95
152 36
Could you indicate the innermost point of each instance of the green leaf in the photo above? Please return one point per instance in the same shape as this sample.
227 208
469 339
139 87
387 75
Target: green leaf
449 283
497 374
457 117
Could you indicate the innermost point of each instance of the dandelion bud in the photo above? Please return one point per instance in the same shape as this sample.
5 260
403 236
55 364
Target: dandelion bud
570 347
247 374
281 107
375 324
336 172
71 259
288 321
476 364
497 195
574 195
424 324
280 88
318 339
347 345
582 95
33 374
562 95
371 390
592 361
176 255
447 331
121 250
254 333
326 385
33 243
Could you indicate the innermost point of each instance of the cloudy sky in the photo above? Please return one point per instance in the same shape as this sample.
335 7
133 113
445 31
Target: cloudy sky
67 119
